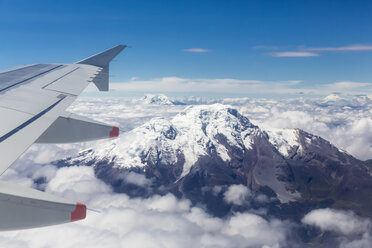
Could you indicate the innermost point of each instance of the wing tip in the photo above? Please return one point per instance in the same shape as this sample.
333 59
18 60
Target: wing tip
103 59
114 132
79 213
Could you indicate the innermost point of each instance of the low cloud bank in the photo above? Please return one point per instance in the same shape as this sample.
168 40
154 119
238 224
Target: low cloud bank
159 221
355 231
345 222
165 221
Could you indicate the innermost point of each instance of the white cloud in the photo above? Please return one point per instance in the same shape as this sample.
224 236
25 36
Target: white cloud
346 85
237 86
343 121
345 222
255 229
316 51
176 84
237 194
196 50
355 137
81 182
364 242
355 232
293 54
164 221
159 221
136 179
349 48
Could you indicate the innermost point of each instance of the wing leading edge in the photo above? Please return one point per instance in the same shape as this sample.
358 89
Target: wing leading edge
33 100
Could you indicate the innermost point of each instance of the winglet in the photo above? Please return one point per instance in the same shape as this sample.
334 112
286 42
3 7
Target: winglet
103 60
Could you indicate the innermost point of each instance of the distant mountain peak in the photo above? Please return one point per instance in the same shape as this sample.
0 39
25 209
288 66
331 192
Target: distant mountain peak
159 99
332 97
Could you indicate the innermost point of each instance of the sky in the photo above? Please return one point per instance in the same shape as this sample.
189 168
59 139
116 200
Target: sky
310 43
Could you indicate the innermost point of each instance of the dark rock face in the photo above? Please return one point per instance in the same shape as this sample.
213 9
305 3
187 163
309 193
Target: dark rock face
322 176
323 173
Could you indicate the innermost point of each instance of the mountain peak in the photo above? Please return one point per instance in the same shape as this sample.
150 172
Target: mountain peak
332 97
156 99
197 131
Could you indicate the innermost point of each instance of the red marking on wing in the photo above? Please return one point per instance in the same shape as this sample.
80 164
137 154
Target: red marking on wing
114 132
79 213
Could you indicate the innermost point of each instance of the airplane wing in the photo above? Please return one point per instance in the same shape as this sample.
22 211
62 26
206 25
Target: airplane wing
33 99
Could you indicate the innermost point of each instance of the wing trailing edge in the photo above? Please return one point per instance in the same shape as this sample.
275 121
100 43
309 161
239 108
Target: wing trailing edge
71 128
22 208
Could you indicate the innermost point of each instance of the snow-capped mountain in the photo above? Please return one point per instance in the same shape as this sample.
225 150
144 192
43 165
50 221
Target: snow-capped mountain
332 98
213 132
156 99
210 146
193 133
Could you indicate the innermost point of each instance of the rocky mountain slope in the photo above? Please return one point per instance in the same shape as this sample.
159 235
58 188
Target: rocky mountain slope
204 149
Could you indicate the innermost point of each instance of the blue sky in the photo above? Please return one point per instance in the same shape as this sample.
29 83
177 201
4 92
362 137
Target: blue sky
315 42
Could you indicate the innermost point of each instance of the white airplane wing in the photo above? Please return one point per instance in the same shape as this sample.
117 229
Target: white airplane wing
33 99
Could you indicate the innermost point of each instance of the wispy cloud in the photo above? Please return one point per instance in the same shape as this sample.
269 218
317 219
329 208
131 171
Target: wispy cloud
348 85
206 86
235 87
348 48
293 54
302 51
265 47
230 87
196 50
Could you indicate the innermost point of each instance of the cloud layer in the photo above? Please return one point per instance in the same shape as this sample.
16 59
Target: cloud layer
165 221
230 86
345 122
159 221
